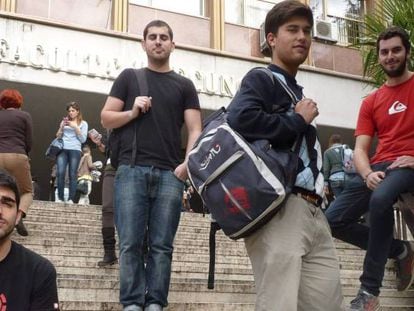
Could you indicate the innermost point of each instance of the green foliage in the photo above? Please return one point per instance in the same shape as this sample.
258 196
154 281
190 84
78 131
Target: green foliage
387 13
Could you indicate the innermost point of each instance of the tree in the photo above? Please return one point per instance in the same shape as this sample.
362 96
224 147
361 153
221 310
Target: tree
386 13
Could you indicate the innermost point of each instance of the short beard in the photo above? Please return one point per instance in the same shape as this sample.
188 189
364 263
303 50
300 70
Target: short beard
6 235
397 72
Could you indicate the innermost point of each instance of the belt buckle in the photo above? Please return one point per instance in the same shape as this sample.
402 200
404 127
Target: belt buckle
313 200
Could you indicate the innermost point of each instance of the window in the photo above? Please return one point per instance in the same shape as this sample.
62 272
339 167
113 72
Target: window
250 13
190 7
345 15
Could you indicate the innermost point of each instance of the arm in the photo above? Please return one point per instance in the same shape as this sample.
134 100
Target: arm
112 115
252 113
361 159
59 133
192 120
326 166
29 133
97 140
82 131
89 162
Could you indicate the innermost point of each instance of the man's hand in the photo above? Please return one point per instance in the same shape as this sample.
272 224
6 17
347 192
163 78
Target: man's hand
374 179
181 172
73 124
308 109
96 139
403 161
141 104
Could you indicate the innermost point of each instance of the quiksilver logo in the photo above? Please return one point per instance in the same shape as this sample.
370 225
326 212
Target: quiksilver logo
397 107
210 156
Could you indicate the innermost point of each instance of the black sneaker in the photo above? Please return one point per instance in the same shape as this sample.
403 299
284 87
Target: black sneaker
21 229
365 301
404 268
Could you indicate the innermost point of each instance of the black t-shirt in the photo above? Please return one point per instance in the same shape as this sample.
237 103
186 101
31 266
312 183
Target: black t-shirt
27 281
159 130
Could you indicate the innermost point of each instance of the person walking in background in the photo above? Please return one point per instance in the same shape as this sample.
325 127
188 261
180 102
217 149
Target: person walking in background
16 136
86 165
333 171
293 257
73 130
108 225
387 114
149 189
27 280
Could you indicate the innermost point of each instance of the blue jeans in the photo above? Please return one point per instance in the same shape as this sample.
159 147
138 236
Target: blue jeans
65 158
337 186
344 213
146 198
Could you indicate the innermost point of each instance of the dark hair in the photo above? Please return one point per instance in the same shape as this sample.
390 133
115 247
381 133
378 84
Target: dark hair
11 98
395 31
75 106
285 10
335 139
8 181
158 23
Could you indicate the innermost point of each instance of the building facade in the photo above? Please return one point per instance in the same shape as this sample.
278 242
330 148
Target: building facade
56 51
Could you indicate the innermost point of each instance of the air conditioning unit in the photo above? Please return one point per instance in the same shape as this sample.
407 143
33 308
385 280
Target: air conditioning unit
264 48
323 30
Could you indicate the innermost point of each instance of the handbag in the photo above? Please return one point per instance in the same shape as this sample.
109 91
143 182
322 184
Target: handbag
54 149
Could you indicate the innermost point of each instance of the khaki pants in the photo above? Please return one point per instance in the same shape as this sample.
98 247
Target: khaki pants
294 261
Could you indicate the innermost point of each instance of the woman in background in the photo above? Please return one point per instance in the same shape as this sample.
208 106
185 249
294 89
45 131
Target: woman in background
73 130
16 135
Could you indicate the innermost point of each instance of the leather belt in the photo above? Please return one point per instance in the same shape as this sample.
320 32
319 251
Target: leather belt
308 196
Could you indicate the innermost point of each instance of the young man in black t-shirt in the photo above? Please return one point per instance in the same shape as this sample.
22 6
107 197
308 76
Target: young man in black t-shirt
27 280
148 192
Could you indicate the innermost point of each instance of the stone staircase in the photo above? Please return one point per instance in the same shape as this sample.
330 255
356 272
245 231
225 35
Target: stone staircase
69 235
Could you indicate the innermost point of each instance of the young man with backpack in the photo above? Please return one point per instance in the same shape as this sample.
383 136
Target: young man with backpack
149 182
293 256
387 113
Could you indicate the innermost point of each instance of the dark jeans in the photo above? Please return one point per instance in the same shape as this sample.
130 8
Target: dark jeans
146 199
65 158
337 186
356 199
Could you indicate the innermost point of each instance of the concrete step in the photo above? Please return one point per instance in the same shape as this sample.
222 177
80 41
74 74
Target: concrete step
70 236
173 306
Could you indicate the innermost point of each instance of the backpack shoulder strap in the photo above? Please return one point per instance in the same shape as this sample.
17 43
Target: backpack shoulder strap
141 76
214 227
274 77
142 81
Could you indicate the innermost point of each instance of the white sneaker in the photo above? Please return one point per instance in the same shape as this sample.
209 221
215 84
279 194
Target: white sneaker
58 201
69 202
